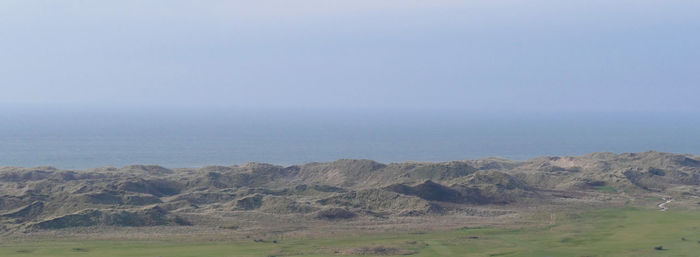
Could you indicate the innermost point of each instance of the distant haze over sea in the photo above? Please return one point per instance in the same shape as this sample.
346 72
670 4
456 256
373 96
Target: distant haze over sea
83 138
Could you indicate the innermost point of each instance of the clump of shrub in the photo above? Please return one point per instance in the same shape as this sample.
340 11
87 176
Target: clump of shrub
335 214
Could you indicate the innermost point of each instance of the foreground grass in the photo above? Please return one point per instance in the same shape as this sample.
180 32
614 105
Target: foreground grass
609 232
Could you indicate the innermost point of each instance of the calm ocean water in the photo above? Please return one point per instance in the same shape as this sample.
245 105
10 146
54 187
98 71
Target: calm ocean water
82 139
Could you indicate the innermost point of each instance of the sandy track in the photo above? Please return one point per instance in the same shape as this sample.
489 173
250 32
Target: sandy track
662 206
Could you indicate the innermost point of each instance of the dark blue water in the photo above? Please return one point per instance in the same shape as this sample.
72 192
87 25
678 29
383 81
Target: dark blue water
83 138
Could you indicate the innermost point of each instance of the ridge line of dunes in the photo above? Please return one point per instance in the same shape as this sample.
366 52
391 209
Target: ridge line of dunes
151 195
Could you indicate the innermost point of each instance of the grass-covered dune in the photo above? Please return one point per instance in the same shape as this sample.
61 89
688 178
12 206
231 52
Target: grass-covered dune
45 198
626 231
601 204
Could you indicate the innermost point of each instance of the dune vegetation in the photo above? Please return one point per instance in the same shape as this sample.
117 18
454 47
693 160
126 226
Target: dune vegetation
601 204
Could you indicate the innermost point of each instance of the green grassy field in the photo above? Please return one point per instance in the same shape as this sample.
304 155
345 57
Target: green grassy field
607 189
609 232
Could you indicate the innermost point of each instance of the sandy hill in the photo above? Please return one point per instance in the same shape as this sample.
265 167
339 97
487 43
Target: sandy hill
147 195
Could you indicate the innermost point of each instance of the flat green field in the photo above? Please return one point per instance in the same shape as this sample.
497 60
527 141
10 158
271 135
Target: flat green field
609 232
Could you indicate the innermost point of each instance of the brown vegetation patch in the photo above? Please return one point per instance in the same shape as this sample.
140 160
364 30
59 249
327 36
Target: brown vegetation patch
335 214
378 250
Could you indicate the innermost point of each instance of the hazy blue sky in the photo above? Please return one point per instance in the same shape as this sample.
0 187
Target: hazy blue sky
398 54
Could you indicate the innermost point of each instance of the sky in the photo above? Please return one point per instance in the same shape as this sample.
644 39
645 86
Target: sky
575 55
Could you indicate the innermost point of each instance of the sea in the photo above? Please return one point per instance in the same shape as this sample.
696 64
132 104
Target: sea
83 138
